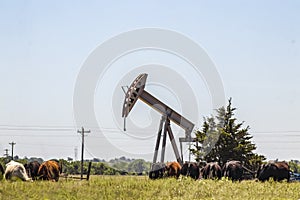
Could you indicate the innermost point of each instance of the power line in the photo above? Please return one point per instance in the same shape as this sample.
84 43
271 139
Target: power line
278 142
106 129
43 145
92 155
287 131
38 126
61 128
41 135
35 129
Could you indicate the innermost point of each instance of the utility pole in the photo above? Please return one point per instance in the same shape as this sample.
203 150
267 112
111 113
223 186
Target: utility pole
12 149
6 153
82 132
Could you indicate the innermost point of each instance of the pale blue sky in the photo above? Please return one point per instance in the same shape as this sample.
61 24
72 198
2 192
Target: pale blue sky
255 46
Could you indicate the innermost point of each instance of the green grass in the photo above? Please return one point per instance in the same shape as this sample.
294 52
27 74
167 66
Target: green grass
130 187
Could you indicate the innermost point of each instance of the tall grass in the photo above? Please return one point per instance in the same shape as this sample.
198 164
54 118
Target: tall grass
131 187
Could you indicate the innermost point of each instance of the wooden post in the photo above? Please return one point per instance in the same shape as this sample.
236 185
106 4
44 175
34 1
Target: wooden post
82 149
82 152
89 171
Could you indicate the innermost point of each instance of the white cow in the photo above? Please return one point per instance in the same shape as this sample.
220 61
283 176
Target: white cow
15 169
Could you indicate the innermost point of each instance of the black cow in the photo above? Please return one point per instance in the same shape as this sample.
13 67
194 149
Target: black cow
211 170
277 170
191 169
32 169
157 170
234 170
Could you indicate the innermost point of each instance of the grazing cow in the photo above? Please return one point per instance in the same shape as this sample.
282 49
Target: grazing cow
49 170
190 169
173 169
233 170
211 170
32 169
157 170
15 169
277 170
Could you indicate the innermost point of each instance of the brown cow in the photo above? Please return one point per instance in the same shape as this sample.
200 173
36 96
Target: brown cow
277 170
211 170
49 170
173 169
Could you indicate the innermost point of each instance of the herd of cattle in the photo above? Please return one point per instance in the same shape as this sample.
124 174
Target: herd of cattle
233 170
48 170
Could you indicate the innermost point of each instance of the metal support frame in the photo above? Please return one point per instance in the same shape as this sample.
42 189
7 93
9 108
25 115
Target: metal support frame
163 149
136 91
165 124
172 139
158 139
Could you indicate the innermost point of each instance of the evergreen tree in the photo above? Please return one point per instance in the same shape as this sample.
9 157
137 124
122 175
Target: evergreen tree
222 138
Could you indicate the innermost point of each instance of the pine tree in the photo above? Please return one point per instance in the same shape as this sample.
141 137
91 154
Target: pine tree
222 138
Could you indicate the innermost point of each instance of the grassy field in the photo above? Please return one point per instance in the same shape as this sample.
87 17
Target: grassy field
130 187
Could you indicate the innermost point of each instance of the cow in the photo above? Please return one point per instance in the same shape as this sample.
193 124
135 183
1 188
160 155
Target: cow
173 169
211 170
276 170
32 169
234 170
49 170
16 170
157 170
191 169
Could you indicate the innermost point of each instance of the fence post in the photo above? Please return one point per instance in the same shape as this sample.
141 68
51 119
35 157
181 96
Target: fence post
89 171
